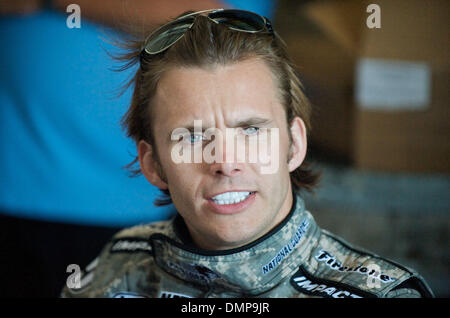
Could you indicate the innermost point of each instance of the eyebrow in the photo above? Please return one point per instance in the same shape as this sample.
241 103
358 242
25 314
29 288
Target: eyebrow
240 123
252 121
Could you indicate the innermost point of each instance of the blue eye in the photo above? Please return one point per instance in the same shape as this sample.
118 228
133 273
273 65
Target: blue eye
195 138
251 130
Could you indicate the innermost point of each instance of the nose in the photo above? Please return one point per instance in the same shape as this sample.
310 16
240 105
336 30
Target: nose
227 164
226 169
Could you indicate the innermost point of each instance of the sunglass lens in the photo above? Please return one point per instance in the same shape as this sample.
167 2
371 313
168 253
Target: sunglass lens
239 20
167 35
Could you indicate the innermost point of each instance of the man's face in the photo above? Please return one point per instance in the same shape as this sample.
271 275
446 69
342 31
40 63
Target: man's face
232 96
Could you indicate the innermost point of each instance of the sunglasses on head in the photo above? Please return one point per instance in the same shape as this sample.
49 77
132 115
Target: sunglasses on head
239 20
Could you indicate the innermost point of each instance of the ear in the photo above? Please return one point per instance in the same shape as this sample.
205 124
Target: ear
297 151
150 168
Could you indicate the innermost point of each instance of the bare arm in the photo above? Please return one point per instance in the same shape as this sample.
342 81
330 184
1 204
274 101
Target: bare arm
120 13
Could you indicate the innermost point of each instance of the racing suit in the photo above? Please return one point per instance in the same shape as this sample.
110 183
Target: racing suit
295 259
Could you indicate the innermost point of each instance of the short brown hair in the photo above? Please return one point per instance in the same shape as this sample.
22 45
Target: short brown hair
205 45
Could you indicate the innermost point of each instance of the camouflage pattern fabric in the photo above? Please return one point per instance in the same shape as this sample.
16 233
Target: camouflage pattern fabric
296 259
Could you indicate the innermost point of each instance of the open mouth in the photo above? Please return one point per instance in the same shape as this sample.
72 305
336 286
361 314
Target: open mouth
231 197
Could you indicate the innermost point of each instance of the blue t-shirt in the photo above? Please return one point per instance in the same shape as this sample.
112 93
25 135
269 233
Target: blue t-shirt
62 149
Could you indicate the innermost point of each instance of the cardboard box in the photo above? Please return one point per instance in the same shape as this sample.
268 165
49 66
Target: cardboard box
381 95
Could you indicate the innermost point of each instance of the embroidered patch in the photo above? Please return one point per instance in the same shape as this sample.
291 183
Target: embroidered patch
287 249
127 295
130 245
193 271
333 263
310 285
199 273
167 294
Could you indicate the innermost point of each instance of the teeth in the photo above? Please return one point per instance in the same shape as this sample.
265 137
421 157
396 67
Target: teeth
231 197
